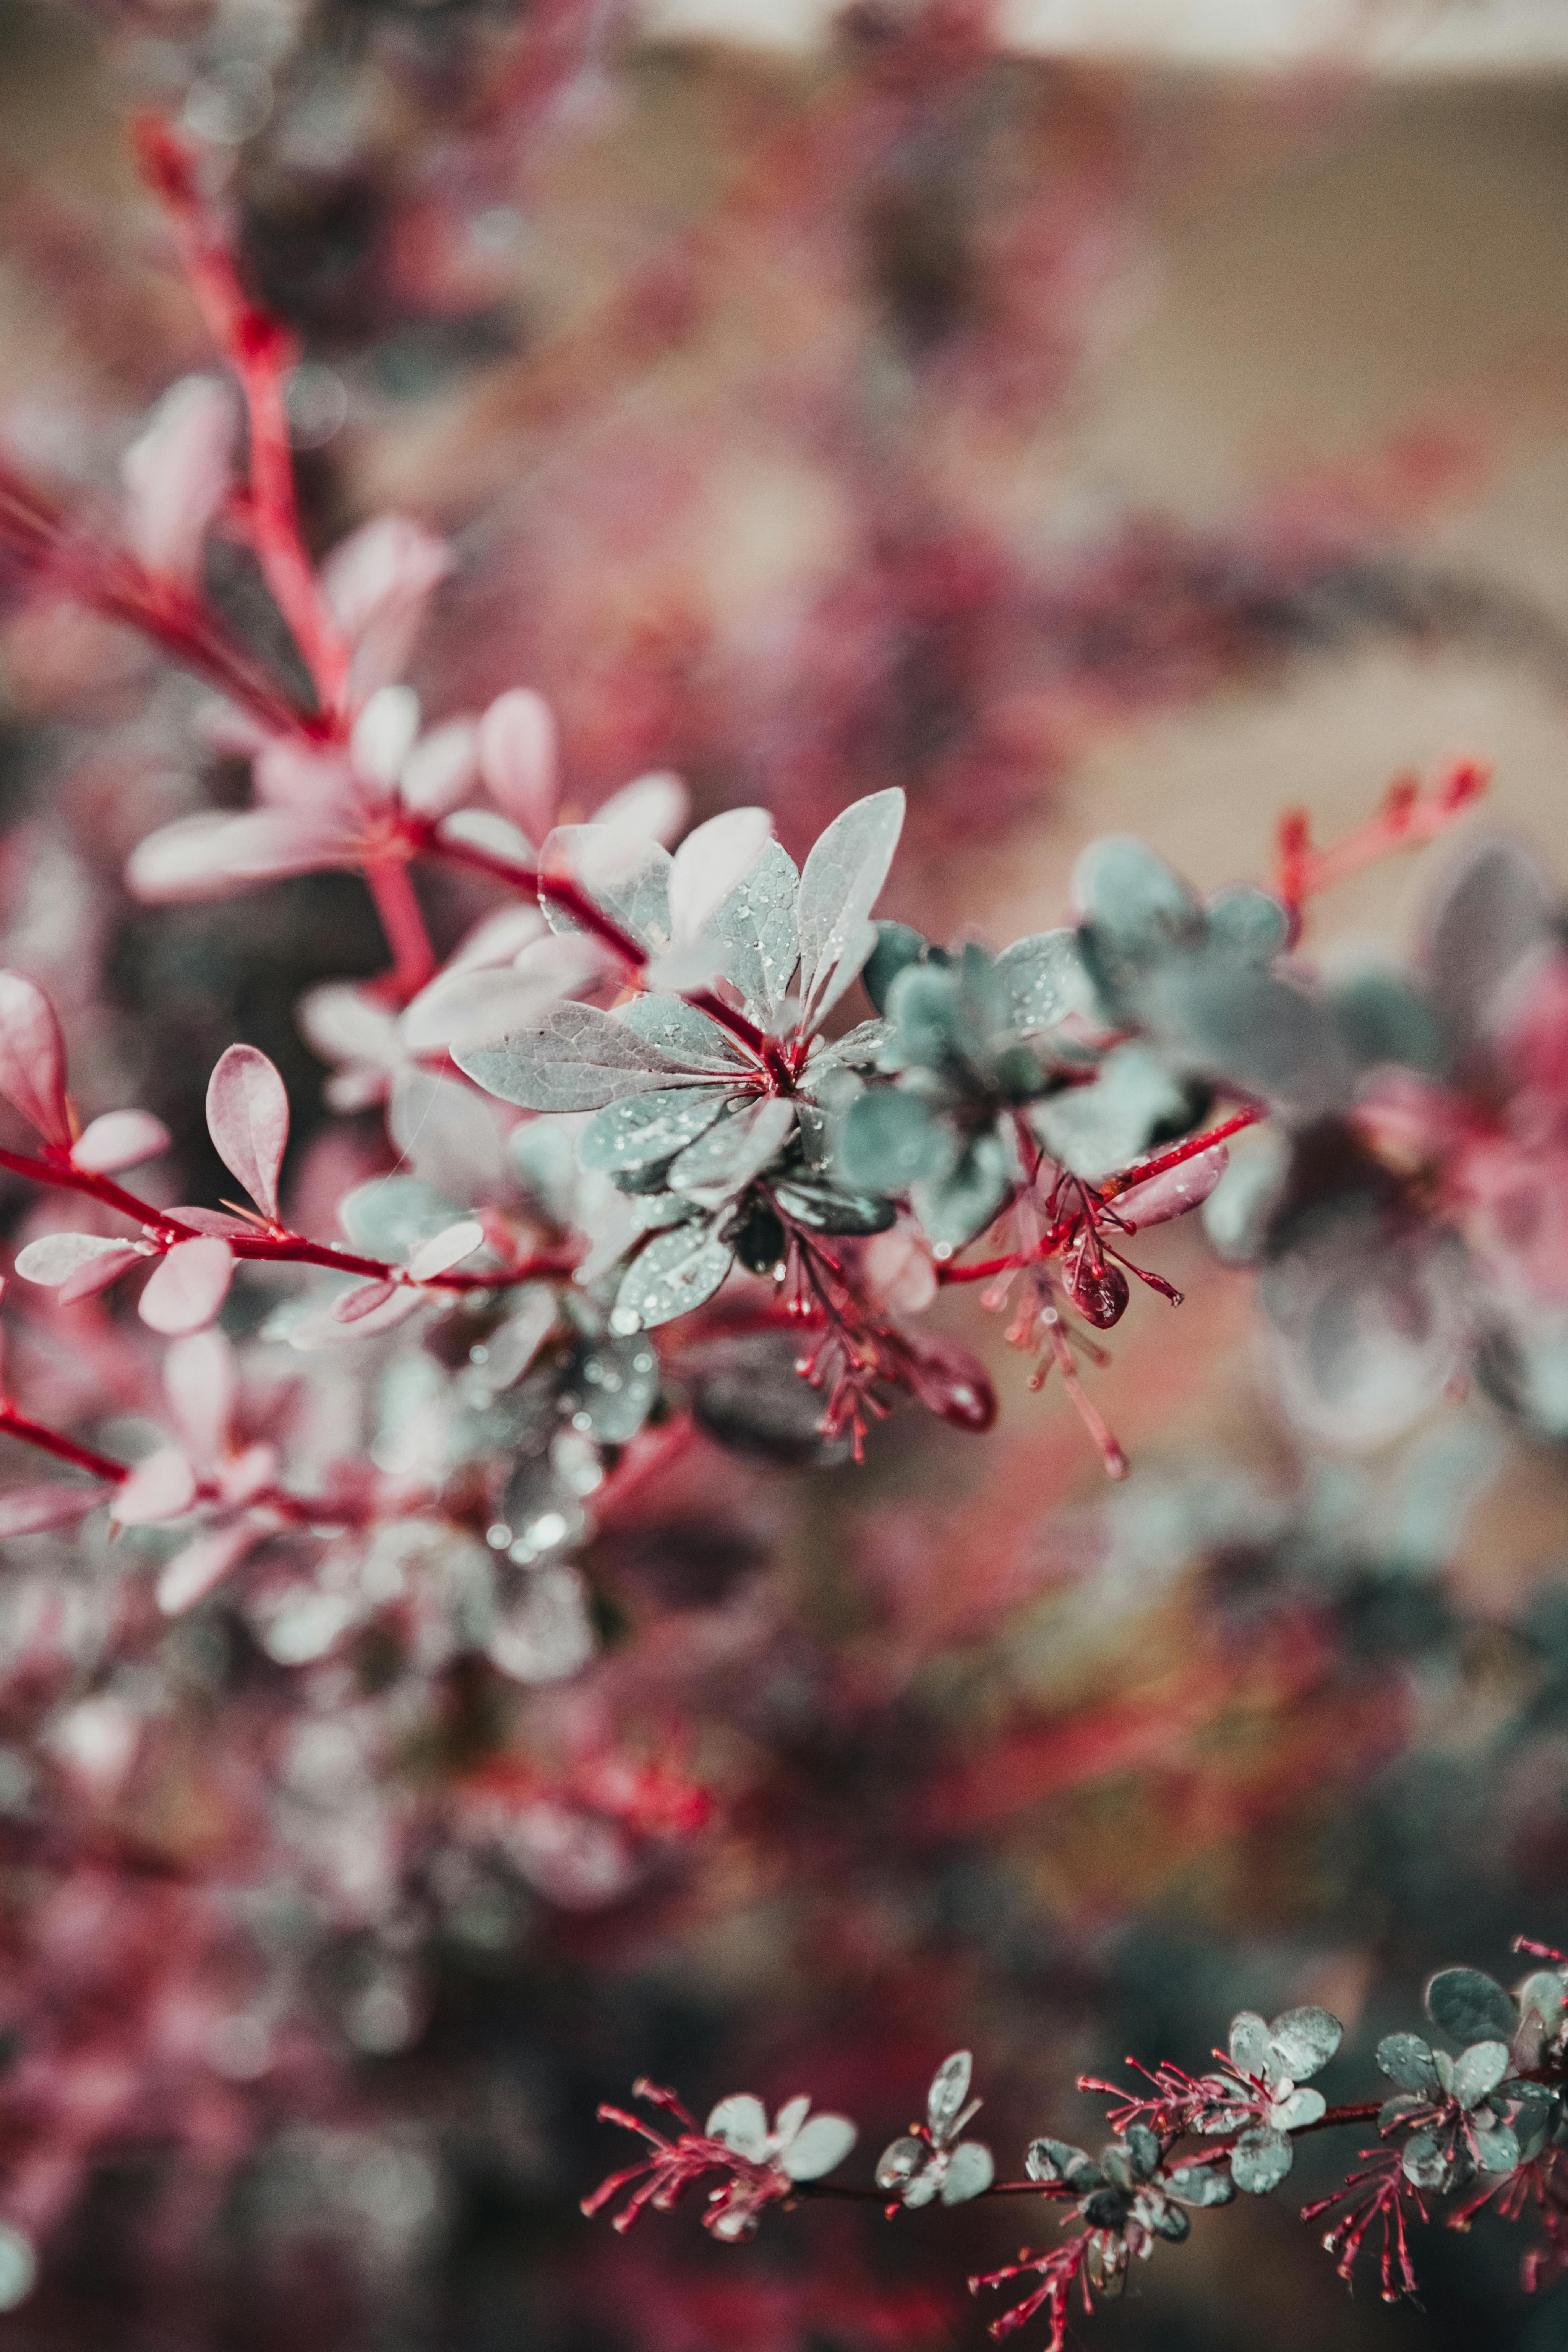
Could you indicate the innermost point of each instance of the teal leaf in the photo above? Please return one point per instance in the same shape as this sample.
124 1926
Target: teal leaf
676 1271
1426 2160
1493 905
1200 2184
680 1029
1471 2007
1129 892
839 884
1248 924
1306 2039
1096 1129
633 890
1254 1031
573 1058
1406 2060
647 1129
953 1208
1479 2070
898 944
970 2172
391 1215
824 1209
1383 1017
1043 980
889 1140
756 927
1260 2160
734 1152
1051 2161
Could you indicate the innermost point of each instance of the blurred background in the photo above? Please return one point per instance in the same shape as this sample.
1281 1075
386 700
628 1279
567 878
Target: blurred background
1104 416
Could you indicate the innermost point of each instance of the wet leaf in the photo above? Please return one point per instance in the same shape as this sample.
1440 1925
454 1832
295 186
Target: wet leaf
756 927
1477 2069
1406 2060
1469 2006
1260 2160
734 1152
824 1209
839 884
1306 2040
948 2089
572 1057
676 1271
648 1130
608 1387
1043 980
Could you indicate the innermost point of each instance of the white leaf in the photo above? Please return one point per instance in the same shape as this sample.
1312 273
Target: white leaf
247 1118
519 760
100 1272
342 1024
817 2146
177 475
710 864
186 1291
121 1138
439 772
1301 2106
33 1057
57 1256
742 2122
377 583
200 1568
970 2172
384 734
29 1510
208 855
445 1250
495 938
840 885
652 809
200 1381
471 1007
478 828
161 1487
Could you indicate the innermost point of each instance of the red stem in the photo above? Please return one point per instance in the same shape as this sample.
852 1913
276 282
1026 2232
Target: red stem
261 353
64 1449
1363 2111
1144 1170
414 959
281 1248
1064 1229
